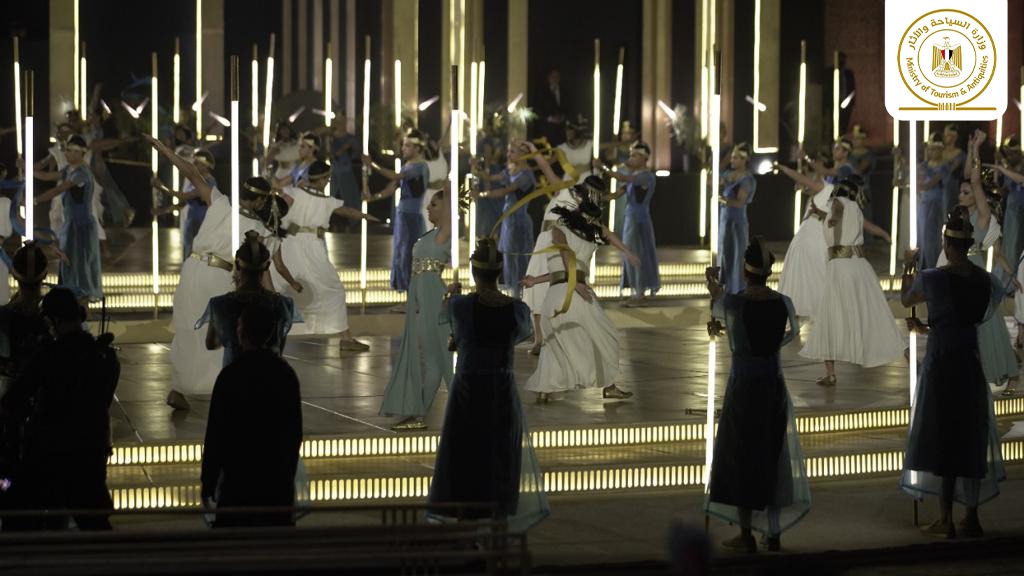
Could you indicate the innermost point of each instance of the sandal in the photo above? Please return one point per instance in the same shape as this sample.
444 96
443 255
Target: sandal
615 392
741 543
826 381
940 530
411 423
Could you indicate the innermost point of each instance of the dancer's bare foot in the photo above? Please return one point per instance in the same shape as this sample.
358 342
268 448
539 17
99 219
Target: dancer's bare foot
535 349
178 401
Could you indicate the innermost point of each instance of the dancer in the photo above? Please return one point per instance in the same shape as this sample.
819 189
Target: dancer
424 360
344 147
803 276
1010 164
491 161
853 323
516 181
412 181
931 199
638 228
758 478
308 148
617 153
953 448
322 303
581 345
195 209
841 167
863 160
578 149
953 157
283 153
738 189
8 224
485 456
79 238
250 276
437 178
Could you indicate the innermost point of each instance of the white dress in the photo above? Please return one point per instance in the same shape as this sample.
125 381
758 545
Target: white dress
803 275
579 156
853 322
437 169
581 347
538 266
5 230
322 300
194 368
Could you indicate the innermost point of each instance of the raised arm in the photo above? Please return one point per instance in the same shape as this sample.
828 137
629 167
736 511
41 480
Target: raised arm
811 186
53 192
188 169
352 213
980 202
389 174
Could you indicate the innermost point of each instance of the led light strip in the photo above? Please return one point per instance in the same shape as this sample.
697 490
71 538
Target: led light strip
555 482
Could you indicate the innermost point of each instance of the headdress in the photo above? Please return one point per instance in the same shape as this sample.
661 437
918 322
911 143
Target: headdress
252 254
742 150
958 225
845 143
29 264
77 143
203 156
486 256
758 259
311 139
640 148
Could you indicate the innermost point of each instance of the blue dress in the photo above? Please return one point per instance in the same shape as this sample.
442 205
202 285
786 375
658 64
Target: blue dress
344 184
734 231
931 216
224 311
489 209
193 217
855 162
299 172
638 236
516 230
758 464
424 359
485 455
842 172
408 222
953 425
998 360
952 183
1013 221
79 237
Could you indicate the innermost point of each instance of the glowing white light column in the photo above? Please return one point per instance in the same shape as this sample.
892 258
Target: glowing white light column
255 106
366 150
474 79
269 94
77 63
453 176
716 144
235 160
30 187
757 82
480 94
154 157
199 70
894 225
398 119
176 113
800 130
1020 107
83 93
616 120
17 100
835 97
912 168
596 137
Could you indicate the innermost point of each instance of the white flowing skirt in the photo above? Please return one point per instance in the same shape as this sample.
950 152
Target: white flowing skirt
803 275
853 323
322 300
194 368
538 266
581 347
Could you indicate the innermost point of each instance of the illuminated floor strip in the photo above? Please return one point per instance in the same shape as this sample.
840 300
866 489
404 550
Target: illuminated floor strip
637 477
421 444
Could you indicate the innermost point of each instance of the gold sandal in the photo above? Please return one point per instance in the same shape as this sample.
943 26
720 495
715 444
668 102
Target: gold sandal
826 381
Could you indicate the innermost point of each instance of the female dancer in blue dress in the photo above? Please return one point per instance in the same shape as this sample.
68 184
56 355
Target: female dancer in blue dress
738 188
1010 162
251 277
309 147
424 359
841 167
413 181
758 478
485 456
953 156
515 181
344 147
638 229
491 162
863 161
195 207
79 237
931 202
953 447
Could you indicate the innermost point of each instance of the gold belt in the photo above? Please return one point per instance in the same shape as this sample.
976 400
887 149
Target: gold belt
421 265
561 276
845 252
316 230
213 261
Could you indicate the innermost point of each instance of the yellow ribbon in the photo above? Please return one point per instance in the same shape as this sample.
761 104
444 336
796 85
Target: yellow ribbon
570 273
548 190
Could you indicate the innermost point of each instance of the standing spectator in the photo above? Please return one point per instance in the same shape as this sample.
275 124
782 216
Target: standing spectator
551 108
64 397
246 460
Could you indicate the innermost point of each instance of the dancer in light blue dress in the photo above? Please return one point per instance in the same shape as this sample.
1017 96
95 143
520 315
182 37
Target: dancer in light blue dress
492 162
424 360
863 160
758 479
344 152
738 189
485 456
79 237
516 241
953 447
1010 162
953 156
930 211
408 222
638 229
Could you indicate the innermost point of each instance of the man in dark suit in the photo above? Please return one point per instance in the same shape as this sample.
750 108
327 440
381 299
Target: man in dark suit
551 108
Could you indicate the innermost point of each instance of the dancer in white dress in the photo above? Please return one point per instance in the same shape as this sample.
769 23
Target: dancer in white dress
854 322
578 150
322 303
803 276
581 345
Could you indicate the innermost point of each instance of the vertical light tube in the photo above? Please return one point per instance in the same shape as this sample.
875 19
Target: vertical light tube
83 91
255 112
616 121
154 131
453 176
912 168
835 96
328 86
199 70
1020 108
999 132
268 96
480 94
17 100
77 72
176 114
366 150
461 22
801 128
29 128
235 179
474 116
709 433
398 119
596 137
757 75
895 223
